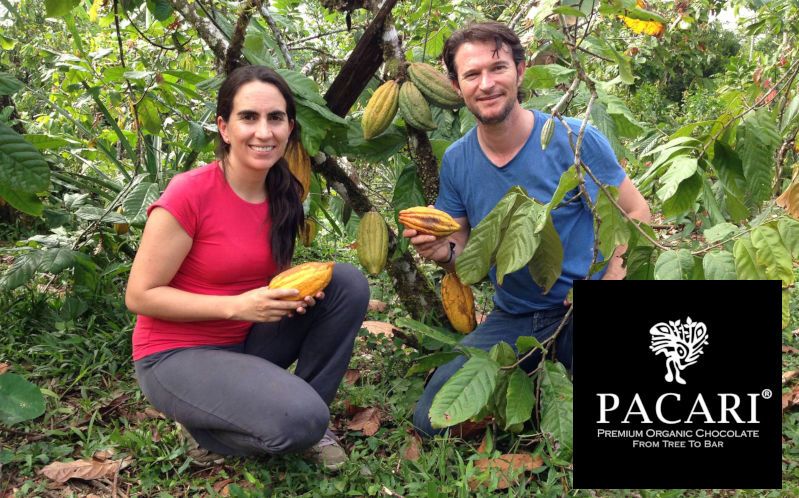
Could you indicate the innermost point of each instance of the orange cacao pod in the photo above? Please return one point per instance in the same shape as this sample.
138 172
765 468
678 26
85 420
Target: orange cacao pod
458 303
308 278
299 165
372 242
308 232
428 221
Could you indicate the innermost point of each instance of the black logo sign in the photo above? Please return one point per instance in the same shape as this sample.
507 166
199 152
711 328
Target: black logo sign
678 384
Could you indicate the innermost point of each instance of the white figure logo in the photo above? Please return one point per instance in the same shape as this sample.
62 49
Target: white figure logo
680 343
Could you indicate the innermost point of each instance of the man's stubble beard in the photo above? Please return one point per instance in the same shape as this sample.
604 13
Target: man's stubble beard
502 116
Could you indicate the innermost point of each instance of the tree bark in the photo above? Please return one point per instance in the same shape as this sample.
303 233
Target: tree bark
426 164
212 37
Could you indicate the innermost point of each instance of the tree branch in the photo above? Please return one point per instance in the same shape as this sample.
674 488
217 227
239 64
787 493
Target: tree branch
233 54
278 37
206 30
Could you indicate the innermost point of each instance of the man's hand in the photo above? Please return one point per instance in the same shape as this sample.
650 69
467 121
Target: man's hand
429 246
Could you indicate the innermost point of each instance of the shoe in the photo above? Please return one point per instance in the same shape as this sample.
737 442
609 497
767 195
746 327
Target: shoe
199 455
328 452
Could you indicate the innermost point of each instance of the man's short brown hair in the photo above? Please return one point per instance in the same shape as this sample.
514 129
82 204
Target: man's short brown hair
488 31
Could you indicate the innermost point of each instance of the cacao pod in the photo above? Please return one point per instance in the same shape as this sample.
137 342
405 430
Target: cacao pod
414 109
308 278
547 132
372 242
380 110
121 228
299 165
458 302
428 221
434 85
308 232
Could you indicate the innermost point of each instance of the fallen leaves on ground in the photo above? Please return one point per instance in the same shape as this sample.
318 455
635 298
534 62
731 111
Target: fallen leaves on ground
352 375
94 468
786 376
508 466
376 305
379 328
412 448
366 421
790 398
4 368
789 349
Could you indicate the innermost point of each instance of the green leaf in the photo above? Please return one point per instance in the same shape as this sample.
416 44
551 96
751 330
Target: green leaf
719 265
746 265
313 128
674 265
557 415
22 167
719 232
94 213
148 113
45 142
408 190
161 9
474 262
520 241
465 393
9 85
302 86
789 232
47 260
758 139
20 400
786 308
568 182
375 150
503 354
520 398
138 200
527 342
730 172
546 76
685 197
547 263
790 115
626 124
613 228
59 8
607 125
22 201
772 254
682 168
426 363
436 333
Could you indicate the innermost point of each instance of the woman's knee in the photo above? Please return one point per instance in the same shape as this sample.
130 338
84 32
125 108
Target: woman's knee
302 427
350 280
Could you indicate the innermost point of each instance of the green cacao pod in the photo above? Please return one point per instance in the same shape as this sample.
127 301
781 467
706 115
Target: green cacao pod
414 109
380 110
372 242
434 85
546 132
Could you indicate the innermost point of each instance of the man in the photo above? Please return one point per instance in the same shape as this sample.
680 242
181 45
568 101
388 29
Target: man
486 66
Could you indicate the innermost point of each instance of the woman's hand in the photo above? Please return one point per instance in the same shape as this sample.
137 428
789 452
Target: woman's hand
265 305
311 301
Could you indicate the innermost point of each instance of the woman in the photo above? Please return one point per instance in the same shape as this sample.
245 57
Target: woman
212 343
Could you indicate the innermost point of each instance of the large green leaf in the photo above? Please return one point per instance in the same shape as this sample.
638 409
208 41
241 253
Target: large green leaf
730 172
313 128
59 8
758 139
161 9
22 167
746 265
302 86
614 230
557 413
148 114
544 76
20 400
474 262
425 363
772 255
607 125
9 85
22 201
520 240
465 393
138 200
627 125
684 198
27 265
94 213
681 168
502 353
45 142
719 265
719 232
375 150
547 263
789 232
436 333
674 265
568 181
520 398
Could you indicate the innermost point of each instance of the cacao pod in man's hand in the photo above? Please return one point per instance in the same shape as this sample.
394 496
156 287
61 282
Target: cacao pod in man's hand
428 221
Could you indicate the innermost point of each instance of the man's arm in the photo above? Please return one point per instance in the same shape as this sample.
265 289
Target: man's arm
636 207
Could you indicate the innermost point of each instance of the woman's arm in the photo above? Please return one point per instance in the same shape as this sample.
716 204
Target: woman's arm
163 248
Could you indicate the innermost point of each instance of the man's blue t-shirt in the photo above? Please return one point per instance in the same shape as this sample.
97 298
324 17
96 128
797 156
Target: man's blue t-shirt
471 186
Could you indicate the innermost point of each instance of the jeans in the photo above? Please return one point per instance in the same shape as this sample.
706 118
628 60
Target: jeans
240 399
499 326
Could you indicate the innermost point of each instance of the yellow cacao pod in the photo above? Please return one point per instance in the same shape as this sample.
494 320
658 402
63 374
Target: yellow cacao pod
428 221
308 278
372 242
380 110
458 303
308 232
121 228
414 109
434 85
299 165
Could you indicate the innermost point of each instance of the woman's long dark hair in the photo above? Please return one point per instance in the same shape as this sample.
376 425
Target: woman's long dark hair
282 188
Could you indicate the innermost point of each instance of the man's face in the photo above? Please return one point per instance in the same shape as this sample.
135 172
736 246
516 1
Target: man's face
488 80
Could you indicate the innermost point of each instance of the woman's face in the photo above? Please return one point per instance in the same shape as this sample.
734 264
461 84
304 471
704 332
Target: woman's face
258 128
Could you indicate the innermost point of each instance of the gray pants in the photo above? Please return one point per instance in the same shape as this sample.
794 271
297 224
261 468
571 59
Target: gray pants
240 400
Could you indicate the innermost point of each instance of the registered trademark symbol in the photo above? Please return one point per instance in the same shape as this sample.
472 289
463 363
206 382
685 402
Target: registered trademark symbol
766 393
